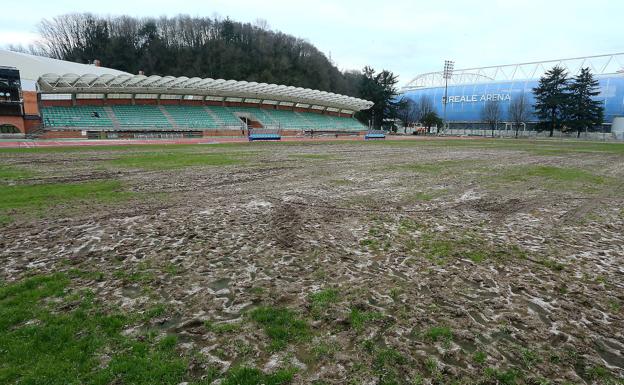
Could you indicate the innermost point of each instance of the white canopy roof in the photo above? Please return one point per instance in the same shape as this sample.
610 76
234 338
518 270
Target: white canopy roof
92 83
31 67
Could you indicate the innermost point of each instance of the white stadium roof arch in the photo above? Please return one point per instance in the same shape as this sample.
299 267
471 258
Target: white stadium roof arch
31 67
599 65
69 83
52 76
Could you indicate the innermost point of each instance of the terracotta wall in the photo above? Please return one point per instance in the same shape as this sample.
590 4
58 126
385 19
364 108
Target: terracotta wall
192 102
170 102
119 102
30 103
90 102
56 103
32 123
145 102
62 135
16 121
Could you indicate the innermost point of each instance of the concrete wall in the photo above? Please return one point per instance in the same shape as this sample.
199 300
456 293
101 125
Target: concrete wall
533 134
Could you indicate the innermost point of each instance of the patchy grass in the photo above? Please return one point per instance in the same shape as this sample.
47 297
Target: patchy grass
38 342
14 173
503 377
134 276
479 357
45 195
168 161
418 196
341 182
313 156
439 167
441 248
552 178
324 297
439 333
551 264
49 331
359 318
321 301
34 199
281 325
324 350
387 366
251 376
222 328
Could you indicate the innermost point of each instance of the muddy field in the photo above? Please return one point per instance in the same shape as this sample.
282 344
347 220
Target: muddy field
340 263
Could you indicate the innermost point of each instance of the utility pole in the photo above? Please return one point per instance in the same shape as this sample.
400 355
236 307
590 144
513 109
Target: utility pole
447 74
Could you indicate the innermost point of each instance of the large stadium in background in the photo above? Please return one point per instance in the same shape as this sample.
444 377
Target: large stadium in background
61 99
469 89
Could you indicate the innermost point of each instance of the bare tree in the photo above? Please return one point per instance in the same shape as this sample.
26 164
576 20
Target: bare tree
519 111
424 106
407 113
491 114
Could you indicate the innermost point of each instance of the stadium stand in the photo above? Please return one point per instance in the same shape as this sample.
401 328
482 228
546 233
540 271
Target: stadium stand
225 116
191 117
289 119
177 117
140 117
258 114
63 100
79 116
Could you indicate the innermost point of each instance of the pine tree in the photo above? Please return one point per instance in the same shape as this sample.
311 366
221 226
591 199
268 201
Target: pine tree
379 88
551 98
582 110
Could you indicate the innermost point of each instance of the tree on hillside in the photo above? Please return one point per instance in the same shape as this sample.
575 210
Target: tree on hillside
491 114
194 46
551 98
431 119
519 111
379 88
582 110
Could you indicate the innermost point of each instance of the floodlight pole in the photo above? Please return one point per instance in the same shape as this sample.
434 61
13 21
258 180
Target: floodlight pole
448 73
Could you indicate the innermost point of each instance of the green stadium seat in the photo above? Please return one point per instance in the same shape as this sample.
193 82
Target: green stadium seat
226 116
191 117
140 117
128 117
78 117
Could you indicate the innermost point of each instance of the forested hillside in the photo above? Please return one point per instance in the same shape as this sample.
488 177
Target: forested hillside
194 46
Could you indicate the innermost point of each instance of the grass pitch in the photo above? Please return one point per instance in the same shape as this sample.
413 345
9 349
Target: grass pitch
398 262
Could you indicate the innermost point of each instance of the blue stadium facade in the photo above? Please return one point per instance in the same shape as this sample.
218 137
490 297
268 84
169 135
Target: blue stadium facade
472 90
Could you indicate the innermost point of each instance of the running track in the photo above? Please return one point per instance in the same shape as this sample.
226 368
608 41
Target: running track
209 140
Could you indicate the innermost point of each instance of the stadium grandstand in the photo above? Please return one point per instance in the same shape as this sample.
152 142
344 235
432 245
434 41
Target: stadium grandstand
471 88
70 100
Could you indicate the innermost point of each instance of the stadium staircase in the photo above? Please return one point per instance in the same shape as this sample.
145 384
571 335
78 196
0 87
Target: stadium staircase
112 117
173 123
226 117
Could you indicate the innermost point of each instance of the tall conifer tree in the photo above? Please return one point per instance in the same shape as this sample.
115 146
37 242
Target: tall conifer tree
551 98
582 110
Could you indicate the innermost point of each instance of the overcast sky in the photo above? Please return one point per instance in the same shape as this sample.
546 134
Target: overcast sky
406 37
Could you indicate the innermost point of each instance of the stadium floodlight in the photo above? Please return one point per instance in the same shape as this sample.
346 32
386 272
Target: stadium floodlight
447 74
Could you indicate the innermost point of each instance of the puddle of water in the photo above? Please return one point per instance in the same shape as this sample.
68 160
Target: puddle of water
467 346
131 292
541 313
610 356
219 284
